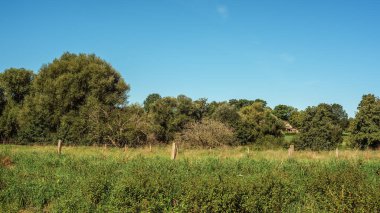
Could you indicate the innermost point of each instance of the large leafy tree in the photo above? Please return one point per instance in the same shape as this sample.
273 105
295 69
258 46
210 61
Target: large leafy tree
284 112
169 115
15 85
320 128
166 119
200 109
226 114
62 88
257 121
341 115
148 102
296 118
365 127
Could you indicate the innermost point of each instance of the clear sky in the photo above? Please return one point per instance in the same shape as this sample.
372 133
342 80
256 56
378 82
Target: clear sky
298 52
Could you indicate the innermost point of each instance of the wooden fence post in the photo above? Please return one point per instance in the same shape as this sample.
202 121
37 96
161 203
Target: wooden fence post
337 153
125 148
291 150
59 146
174 151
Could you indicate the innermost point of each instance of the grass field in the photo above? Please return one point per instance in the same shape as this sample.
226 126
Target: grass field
94 179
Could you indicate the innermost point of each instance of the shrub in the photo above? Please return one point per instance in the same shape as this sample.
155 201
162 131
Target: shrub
207 133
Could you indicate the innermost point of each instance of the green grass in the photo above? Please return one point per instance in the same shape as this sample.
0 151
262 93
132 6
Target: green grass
92 179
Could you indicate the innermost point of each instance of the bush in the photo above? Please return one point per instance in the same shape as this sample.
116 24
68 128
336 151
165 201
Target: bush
270 142
207 133
41 181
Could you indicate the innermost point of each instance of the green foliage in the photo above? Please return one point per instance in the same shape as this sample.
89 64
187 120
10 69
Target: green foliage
296 119
15 85
284 112
164 114
240 103
212 106
201 109
44 181
256 122
170 115
320 128
62 88
82 99
9 125
150 100
365 128
340 115
227 114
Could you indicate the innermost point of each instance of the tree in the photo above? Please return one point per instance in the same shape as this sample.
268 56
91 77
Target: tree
185 105
341 115
256 122
164 117
365 128
15 85
150 100
284 112
240 103
127 126
201 109
296 118
170 115
227 114
212 106
319 128
62 88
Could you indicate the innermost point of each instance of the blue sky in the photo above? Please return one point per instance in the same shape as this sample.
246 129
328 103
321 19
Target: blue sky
299 53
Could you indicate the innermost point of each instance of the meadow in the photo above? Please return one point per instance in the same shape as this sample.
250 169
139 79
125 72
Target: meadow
238 179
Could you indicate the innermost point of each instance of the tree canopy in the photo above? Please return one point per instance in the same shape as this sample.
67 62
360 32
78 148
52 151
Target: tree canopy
365 127
61 91
15 85
256 122
82 99
320 128
284 112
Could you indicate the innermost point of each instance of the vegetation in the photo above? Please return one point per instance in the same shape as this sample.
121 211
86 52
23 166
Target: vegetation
320 128
82 100
284 112
256 122
365 127
206 134
90 179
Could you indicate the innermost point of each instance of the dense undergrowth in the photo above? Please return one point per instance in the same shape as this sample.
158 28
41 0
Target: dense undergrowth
43 181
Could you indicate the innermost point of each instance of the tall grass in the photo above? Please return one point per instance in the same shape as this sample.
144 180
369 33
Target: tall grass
91 179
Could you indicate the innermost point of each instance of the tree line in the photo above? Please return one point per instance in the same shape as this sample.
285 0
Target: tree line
82 100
